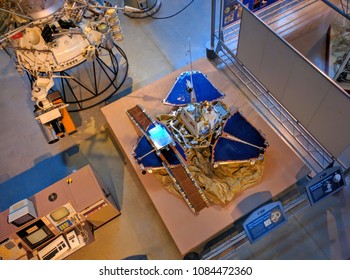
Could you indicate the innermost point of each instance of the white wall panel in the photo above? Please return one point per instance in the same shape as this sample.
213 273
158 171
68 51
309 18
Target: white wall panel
276 66
331 122
317 102
304 91
254 37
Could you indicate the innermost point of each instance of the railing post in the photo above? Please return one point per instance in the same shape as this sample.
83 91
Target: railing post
210 45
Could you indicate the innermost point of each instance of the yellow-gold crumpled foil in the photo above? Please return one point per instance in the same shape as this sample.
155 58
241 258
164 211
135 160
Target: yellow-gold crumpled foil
221 184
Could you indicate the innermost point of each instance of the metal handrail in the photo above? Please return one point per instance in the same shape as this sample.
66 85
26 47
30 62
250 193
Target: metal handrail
226 38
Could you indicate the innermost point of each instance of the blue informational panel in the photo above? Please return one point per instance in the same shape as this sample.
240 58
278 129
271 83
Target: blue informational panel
263 220
232 10
324 184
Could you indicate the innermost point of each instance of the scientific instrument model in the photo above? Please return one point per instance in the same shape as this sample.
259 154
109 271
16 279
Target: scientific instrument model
46 38
199 150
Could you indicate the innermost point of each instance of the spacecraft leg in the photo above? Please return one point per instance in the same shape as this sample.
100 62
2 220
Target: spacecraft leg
92 83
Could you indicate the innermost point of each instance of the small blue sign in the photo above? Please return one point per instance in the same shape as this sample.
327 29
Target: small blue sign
232 9
263 220
230 12
324 184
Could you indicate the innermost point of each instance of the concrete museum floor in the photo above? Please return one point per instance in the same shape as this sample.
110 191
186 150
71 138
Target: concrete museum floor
154 48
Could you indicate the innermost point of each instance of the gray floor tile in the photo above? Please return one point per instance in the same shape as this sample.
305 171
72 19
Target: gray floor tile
328 225
299 245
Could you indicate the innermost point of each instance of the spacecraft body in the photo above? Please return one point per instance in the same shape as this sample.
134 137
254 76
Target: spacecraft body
199 150
51 36
54 35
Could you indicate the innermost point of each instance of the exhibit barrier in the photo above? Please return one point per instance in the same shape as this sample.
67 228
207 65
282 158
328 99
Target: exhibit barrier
263 220
309 127
306 103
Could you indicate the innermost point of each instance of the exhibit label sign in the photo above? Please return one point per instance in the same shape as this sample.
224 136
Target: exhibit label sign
324 184
232 9
263 220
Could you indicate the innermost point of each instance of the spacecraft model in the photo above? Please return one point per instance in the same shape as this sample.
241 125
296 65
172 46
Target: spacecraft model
46 38
200 150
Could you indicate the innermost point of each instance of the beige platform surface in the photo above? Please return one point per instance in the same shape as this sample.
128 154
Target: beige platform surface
188 231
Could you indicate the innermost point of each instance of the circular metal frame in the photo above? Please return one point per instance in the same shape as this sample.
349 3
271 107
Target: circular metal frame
100 80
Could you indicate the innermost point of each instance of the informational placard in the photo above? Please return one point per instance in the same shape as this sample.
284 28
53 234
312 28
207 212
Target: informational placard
232 10
263 220
324 184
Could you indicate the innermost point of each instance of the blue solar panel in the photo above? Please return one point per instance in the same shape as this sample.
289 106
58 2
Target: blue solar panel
151 160
229 150
203 88
239 127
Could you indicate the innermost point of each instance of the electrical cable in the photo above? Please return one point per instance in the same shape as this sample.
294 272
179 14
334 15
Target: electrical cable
173 15
166 17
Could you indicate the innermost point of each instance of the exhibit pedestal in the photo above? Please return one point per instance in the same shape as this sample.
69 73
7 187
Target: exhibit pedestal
188 231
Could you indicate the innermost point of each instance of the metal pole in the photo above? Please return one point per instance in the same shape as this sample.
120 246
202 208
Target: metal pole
210 45
213 5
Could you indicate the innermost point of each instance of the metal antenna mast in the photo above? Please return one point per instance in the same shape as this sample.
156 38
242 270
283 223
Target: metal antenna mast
190 87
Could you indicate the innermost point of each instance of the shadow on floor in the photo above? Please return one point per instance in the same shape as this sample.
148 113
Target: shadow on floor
98 151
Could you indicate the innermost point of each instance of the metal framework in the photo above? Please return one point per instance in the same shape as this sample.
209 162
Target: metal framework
227 49
91 83
294 200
